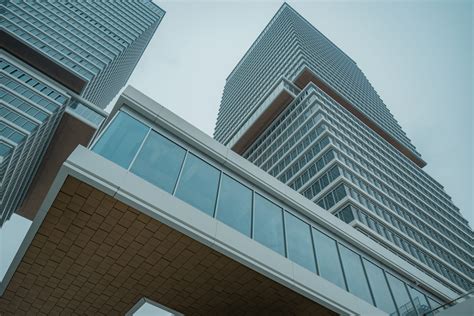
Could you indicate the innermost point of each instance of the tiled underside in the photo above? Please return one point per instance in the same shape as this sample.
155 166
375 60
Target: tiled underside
95 255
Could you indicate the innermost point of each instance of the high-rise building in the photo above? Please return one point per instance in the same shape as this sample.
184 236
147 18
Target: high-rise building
61 63
302 110
155 210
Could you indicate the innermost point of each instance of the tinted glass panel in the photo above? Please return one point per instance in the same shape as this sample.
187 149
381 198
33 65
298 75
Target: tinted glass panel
400 294
354 272
419 300
198 184
159 161
298 238
328 258
268 224
433 303
121 140
379 286
235 205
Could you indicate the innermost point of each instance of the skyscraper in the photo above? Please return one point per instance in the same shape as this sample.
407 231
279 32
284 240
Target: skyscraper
301 109
60 57
156 210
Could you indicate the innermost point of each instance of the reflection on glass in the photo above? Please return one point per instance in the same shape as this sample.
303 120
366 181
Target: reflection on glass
433 303
268 224
378 283
198 184
121 140
354 272
328 258
159 161
400 294
234 207
419 300
298 238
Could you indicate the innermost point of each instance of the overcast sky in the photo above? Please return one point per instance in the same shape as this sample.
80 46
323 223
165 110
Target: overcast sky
417 55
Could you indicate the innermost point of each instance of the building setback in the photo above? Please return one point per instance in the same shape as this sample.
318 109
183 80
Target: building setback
300 108
154 209
61 63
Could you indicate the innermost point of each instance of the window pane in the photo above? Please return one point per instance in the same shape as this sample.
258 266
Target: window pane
328 258
159 161
379 286
268 224
298 238
400 295
355 276
235 205
198 184
433 303
121 140
419 300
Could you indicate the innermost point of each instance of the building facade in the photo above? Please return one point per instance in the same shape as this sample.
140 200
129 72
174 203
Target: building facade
157 210
61 62
300 108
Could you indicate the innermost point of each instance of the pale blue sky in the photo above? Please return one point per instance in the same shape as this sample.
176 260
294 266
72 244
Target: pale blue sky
417 55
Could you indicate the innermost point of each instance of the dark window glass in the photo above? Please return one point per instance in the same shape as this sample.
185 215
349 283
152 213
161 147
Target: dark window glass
328 258
234 207
159 161
355 275
346 214
419 300
400 294
121 140
268 224
198 184
298 239
378 283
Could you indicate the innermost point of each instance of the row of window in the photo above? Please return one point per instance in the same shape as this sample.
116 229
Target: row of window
441 233
387 190
433 218
453 276
289 115
389 164
155 158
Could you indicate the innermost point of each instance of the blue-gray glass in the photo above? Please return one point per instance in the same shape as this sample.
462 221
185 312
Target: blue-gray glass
433 303
328 258
419 300
234 207
298 239
400 294
268 224
198 184
121 140
159 161
355 275
378 284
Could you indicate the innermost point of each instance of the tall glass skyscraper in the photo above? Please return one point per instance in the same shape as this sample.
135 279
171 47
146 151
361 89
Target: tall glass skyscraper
61 57
302 110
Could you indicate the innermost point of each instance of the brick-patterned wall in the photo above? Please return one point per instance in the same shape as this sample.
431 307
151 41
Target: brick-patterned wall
95 255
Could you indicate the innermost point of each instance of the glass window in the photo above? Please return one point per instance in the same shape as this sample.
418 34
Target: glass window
298 238
378 284
328 258
400 294
121 140
268 224
159 161
419 300
234 207
355 275
346 214
198 184
433 304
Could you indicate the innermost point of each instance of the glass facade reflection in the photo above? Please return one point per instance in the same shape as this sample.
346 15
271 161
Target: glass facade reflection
179 170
